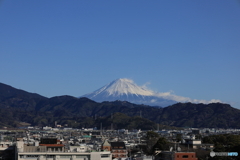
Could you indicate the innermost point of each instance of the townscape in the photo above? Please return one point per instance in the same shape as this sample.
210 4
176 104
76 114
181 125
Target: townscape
62 143
119 80
81 129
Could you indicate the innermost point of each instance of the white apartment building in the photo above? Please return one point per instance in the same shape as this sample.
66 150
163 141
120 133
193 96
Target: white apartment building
58 152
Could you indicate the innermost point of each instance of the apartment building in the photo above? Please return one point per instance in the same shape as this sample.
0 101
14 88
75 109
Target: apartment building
118 150
55 151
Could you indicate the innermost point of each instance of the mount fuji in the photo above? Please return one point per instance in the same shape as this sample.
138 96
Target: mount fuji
126 90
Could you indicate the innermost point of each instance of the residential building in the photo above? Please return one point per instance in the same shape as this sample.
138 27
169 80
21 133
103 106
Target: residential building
106 146
118 150
171 155
58 152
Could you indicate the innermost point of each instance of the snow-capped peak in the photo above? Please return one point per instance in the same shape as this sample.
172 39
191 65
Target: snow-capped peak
125 86
126 90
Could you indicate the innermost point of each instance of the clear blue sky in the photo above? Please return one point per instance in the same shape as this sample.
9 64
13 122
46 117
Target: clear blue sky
62 47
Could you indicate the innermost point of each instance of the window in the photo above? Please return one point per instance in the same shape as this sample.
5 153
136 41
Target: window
31 156
50 156
65 156
104 155
185 156
83 157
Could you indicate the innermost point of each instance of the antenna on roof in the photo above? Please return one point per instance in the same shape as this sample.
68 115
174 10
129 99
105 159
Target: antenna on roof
179 149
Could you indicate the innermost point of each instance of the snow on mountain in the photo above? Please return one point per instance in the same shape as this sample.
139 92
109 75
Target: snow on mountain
126 90
123 87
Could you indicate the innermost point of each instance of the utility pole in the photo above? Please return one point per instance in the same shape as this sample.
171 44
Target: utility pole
101 128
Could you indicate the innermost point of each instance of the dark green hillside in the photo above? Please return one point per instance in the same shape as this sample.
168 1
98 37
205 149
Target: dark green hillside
20 106
16 98
120 120
216 115
7 91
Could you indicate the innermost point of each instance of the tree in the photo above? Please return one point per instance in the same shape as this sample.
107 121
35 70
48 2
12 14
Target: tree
152 134
178 137
224 142
162 144
151 139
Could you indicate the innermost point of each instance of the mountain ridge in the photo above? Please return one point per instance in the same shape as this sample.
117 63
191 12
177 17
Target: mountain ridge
8 91
126 90
77 112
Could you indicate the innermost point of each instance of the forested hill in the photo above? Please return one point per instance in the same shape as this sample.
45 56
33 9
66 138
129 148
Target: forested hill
20 106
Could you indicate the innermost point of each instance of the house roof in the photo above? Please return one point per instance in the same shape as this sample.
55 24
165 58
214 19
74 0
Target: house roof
106 143
118 145
52 145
